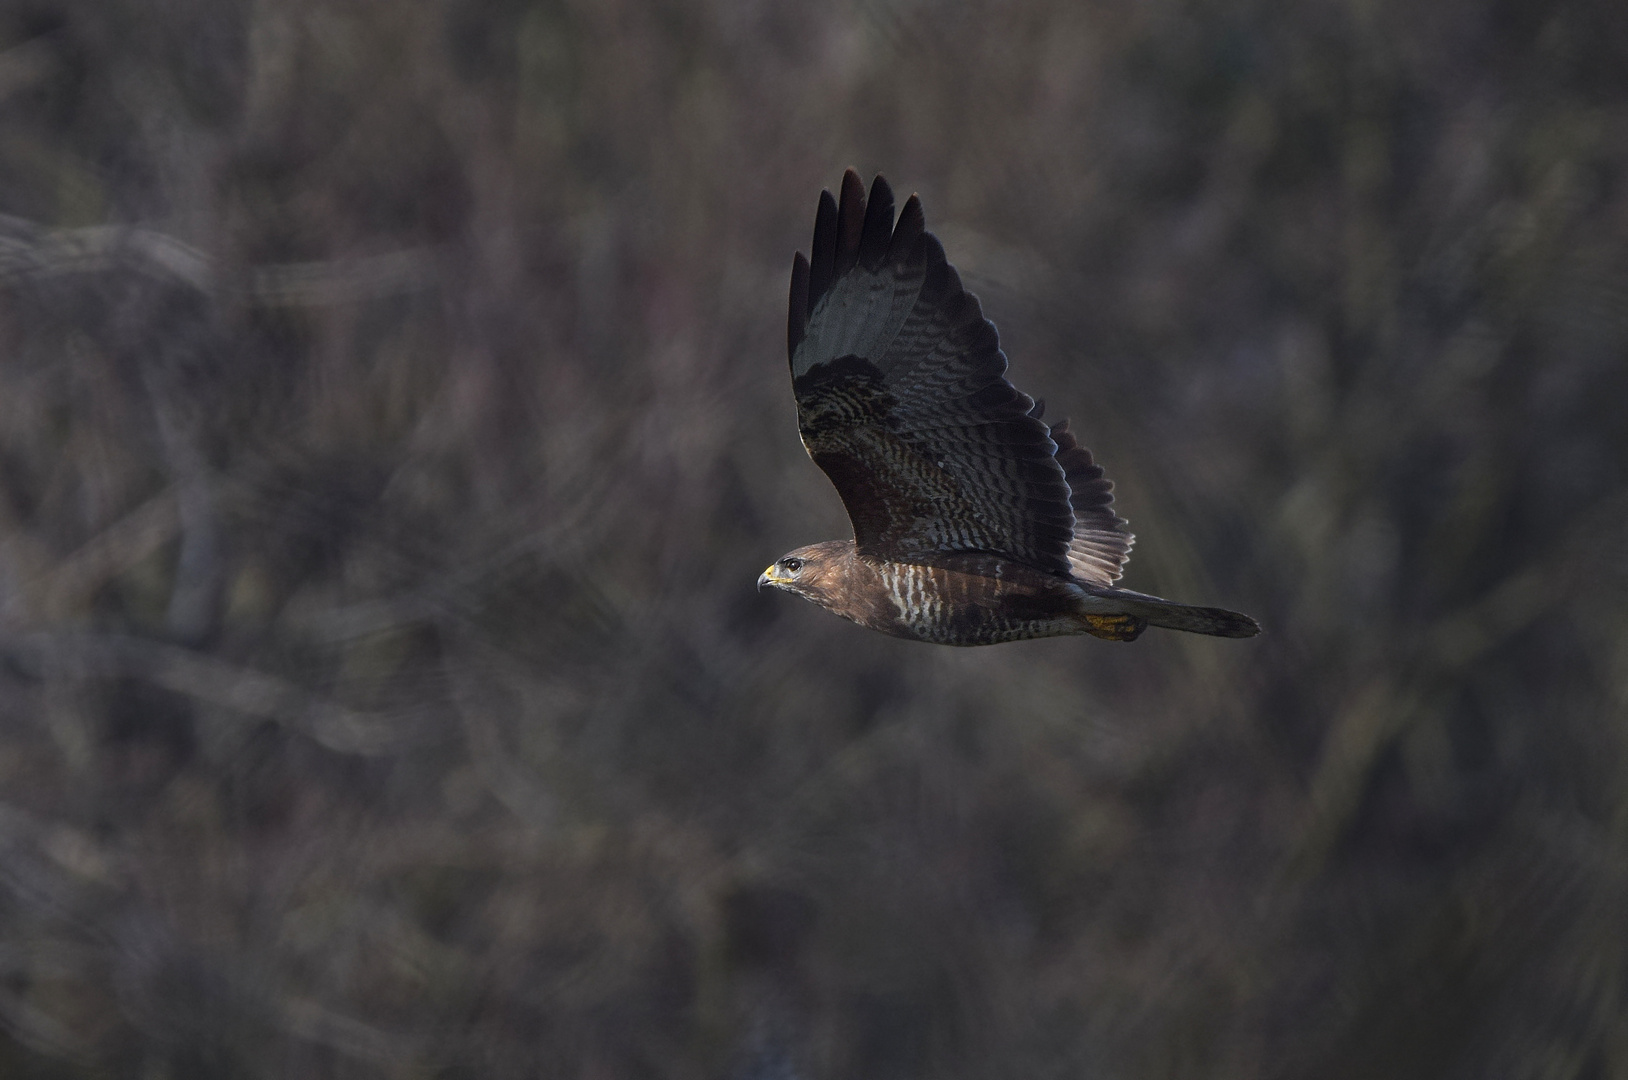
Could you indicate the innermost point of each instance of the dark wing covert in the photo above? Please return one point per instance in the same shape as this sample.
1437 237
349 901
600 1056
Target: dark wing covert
902 400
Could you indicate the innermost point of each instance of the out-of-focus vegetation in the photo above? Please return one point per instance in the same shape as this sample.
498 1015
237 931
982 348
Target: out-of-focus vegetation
394 419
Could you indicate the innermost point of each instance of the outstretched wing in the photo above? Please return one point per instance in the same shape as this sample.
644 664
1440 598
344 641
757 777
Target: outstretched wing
902 400
1101 543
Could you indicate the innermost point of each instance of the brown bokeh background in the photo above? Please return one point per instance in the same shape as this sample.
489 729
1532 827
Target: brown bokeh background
394 419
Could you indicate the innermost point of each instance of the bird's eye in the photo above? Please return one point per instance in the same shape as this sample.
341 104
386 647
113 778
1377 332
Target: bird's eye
792 565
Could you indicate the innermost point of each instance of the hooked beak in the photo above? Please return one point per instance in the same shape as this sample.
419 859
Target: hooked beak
768 577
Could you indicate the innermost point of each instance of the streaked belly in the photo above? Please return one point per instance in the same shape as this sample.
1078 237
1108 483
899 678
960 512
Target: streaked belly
962 607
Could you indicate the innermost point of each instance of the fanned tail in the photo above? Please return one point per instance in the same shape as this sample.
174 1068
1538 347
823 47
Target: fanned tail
1217 622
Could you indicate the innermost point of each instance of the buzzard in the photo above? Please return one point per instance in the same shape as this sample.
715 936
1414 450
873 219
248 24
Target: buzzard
974 521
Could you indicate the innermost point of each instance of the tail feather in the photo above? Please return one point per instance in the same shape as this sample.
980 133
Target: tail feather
1217 622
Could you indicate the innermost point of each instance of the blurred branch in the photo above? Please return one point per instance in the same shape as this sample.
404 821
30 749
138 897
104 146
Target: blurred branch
32 252
477 696
194 607
40 1031
117 547
445 596
229 686
1587 556
343 281
316 1023
51 867
25 66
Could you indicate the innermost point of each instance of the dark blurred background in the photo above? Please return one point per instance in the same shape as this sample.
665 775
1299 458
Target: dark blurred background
394 419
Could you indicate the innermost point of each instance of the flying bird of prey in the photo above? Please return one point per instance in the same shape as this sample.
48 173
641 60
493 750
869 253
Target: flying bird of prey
974 521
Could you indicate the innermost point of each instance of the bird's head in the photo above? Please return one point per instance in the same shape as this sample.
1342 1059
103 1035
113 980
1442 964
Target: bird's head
809 571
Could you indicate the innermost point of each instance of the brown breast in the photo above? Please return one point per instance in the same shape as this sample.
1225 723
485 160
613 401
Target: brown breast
962 599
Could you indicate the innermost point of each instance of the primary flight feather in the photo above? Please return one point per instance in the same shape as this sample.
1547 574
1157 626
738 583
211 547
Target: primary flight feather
974 522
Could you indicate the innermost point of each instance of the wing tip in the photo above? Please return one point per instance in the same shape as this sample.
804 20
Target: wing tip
797 309
911 226
850 223
878 229
822 256
850 229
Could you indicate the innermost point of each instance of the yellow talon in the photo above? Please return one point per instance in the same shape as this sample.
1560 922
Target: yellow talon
1120 627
